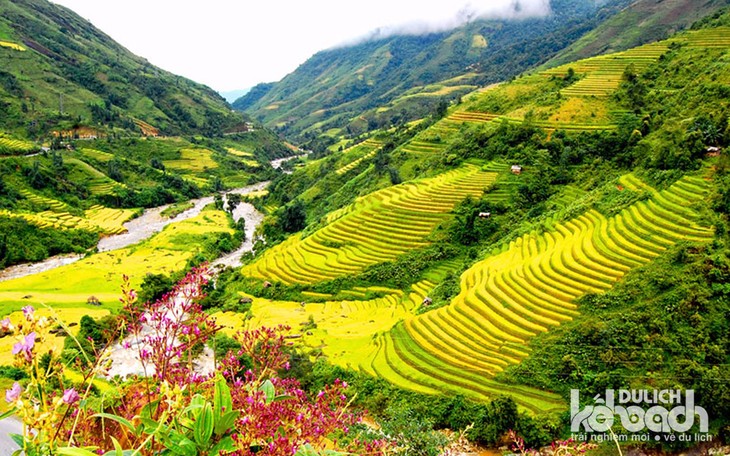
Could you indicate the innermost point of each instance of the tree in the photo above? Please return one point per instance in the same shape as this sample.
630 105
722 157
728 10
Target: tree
36 178
293 217
633 88
114 171
157 164
234 199
241 228
218 201
441 109
154 287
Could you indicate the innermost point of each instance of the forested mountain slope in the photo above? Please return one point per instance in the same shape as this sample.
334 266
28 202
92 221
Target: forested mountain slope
337 88
58 70
501 237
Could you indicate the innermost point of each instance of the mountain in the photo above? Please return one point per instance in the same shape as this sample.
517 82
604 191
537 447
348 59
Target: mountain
233 95
58 70
89 133
342 87
564 230
641 22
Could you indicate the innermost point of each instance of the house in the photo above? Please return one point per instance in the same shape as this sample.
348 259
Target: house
713 151
516 169
485 214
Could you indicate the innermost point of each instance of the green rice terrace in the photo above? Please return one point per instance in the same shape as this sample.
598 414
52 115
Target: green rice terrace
529 287
364 233
566 228
521 287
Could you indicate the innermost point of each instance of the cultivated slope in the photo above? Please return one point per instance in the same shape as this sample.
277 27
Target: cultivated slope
529 287
377 228
54 61
641 22
341 87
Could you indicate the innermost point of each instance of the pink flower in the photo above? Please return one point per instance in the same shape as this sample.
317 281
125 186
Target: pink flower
70 396
5 324
13 393
28 311
26 346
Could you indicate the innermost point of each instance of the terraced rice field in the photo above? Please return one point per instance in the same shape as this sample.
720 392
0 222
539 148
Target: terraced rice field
456 119
42 201
11 146
601 77
98 182
528 287
718 37
417 147
367 148
97 218
344 328
377 228
96 154
109 220
100 274
604 73
67 316
193 160
13 46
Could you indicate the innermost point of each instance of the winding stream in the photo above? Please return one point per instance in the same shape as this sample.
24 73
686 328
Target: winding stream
146 225
139 229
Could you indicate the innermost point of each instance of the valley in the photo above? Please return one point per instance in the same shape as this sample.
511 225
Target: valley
449 254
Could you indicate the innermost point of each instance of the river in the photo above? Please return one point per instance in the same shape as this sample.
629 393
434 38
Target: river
143 227
276 164
151 222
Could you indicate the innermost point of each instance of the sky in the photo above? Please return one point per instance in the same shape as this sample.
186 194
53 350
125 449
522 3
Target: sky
235 44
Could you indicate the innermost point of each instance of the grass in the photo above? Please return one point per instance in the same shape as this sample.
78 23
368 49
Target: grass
176 209
100 275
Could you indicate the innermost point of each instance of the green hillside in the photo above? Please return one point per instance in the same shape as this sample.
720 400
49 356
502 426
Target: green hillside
59 71
641 22
616 185
393 79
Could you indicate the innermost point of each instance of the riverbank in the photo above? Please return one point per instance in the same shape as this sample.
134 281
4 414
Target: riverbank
143 227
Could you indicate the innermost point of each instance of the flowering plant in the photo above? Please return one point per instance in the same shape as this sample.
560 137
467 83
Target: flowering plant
174 407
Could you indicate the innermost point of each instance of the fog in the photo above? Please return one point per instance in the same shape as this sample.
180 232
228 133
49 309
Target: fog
233 44
446 19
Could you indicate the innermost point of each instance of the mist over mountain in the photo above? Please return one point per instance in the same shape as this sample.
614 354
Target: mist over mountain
339 88
512 10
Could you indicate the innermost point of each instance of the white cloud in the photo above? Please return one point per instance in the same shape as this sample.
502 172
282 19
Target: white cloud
231 44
